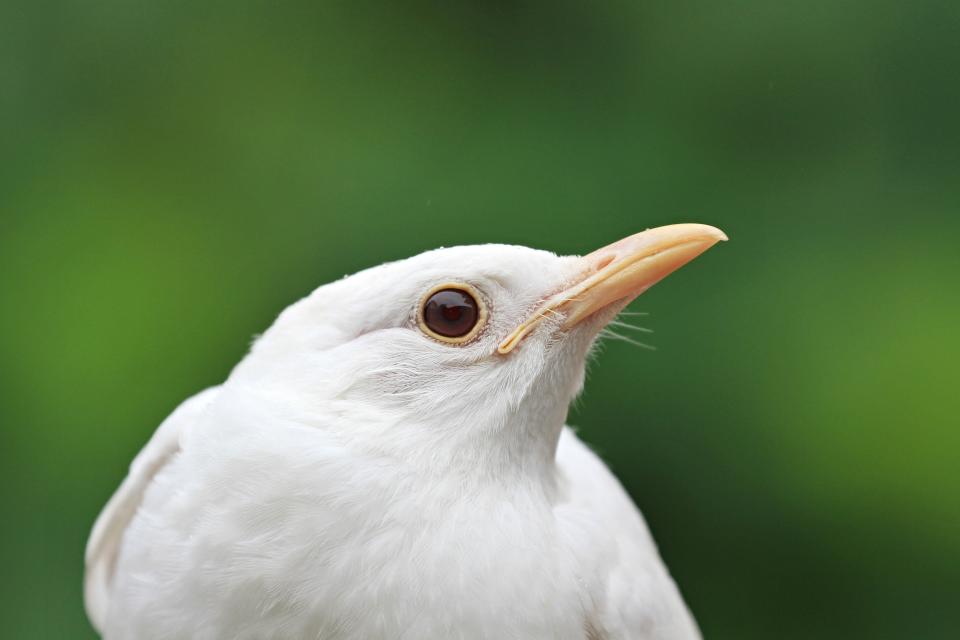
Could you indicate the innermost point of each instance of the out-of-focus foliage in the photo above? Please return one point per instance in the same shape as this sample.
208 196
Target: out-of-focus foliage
174 173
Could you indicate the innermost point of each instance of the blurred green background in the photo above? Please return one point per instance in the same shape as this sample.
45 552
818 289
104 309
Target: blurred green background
173 174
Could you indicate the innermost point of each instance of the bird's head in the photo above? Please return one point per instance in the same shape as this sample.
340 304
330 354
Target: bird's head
462 358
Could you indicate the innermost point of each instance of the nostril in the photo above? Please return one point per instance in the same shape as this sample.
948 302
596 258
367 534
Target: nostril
604 261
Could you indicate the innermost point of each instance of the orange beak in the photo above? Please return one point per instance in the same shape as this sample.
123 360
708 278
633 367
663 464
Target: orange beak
620 272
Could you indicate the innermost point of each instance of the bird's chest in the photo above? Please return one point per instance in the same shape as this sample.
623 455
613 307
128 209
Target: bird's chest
371 560
475 568
492 575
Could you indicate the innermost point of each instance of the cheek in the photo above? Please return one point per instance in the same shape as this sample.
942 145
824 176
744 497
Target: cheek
401 369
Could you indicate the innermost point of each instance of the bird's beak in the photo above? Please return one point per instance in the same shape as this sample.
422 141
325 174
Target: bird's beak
620 272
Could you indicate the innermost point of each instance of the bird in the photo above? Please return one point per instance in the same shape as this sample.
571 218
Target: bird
391 460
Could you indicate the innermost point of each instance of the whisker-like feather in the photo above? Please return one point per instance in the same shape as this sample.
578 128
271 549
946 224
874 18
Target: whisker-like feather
608 333
625 325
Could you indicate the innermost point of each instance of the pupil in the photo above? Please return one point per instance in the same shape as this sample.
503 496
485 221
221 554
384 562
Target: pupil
450 312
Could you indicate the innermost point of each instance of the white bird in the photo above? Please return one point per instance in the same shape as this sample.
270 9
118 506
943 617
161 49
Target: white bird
391 461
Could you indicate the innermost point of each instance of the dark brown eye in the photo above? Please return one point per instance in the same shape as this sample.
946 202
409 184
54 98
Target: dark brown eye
451 313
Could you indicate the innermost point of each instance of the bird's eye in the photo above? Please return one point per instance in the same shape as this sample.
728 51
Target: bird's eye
452 313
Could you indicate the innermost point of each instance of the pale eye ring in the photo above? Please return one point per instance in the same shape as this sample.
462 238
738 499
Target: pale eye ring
452 312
